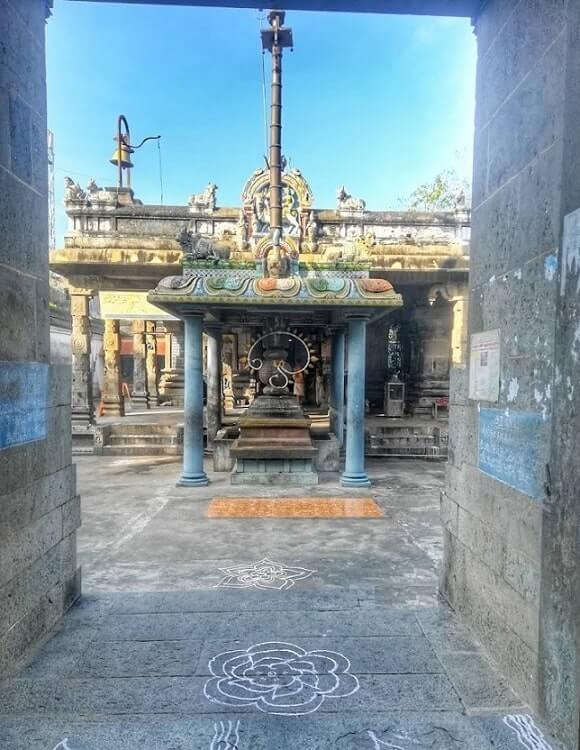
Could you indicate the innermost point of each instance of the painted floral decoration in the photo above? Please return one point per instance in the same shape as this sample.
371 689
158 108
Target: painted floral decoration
279 678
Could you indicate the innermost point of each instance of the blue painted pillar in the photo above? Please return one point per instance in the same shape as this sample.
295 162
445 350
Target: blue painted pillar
193 474
337 384
354 471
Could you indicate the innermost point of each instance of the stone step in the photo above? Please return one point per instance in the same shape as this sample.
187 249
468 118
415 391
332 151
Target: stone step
83 450
142 429
404 441
130 439
434 453
142 450
401 430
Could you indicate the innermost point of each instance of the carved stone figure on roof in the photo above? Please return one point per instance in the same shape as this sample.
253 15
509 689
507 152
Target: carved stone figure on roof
242 231
346 202
206 200
460 200
369 239
262 211
296 202
276 264
256 225
291 212
73 191
197 247
312 232
92 187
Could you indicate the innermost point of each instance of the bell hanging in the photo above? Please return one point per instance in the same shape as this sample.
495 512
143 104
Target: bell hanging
122 154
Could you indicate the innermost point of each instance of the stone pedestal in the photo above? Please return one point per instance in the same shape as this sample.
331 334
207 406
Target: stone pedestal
113 403
274 447
151 363
139 394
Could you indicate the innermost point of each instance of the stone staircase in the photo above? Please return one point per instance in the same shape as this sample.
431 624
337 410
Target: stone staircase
400 438
131 439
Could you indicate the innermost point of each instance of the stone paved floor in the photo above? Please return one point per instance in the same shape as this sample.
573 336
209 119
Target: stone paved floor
353 653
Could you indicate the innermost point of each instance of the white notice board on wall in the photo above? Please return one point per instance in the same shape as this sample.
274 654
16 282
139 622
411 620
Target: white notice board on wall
484 366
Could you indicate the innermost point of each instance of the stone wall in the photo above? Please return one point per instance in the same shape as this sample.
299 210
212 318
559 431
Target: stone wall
39 508
511 558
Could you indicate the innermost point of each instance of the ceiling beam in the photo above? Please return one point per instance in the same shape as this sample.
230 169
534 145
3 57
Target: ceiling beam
457 8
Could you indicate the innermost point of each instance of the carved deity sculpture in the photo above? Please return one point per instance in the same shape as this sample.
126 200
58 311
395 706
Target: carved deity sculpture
242 231
290 213
277 265
73 191
92 187
256 226
460 200
312 232
346 202
227 386
262 212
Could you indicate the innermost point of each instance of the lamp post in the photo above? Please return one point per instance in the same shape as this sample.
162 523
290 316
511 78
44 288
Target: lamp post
122 155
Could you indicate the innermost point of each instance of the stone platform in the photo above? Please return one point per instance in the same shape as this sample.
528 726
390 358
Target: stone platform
174 600
274 446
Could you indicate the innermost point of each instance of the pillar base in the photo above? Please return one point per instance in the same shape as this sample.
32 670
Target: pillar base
194 480
141 400
82 417
355 480
113 409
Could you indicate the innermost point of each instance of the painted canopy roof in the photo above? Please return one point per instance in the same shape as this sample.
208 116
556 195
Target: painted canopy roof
198 291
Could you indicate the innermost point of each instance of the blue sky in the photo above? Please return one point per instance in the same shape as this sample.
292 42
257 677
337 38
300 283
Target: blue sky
377 103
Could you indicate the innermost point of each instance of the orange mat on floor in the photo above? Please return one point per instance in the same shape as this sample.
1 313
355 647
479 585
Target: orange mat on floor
293 507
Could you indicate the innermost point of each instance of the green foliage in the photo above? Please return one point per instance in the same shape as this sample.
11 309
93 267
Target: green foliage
438 195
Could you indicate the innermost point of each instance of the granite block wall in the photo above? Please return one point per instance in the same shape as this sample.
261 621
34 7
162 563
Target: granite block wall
511 553
39 508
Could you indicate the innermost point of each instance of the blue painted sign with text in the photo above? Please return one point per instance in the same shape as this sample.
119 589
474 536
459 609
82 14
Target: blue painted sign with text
23 402
511 448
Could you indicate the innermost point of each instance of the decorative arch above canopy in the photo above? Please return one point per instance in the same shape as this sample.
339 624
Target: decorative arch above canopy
293 181
296 205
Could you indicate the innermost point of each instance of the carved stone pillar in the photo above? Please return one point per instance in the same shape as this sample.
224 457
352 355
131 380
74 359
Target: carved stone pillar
172 380
229 366
336 410
140 393
151 359
459 330
354 474
214 382
82 385
227 385
193 474
113 404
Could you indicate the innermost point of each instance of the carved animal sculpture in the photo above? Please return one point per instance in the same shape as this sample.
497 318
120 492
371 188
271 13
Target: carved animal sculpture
202 248
346 202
